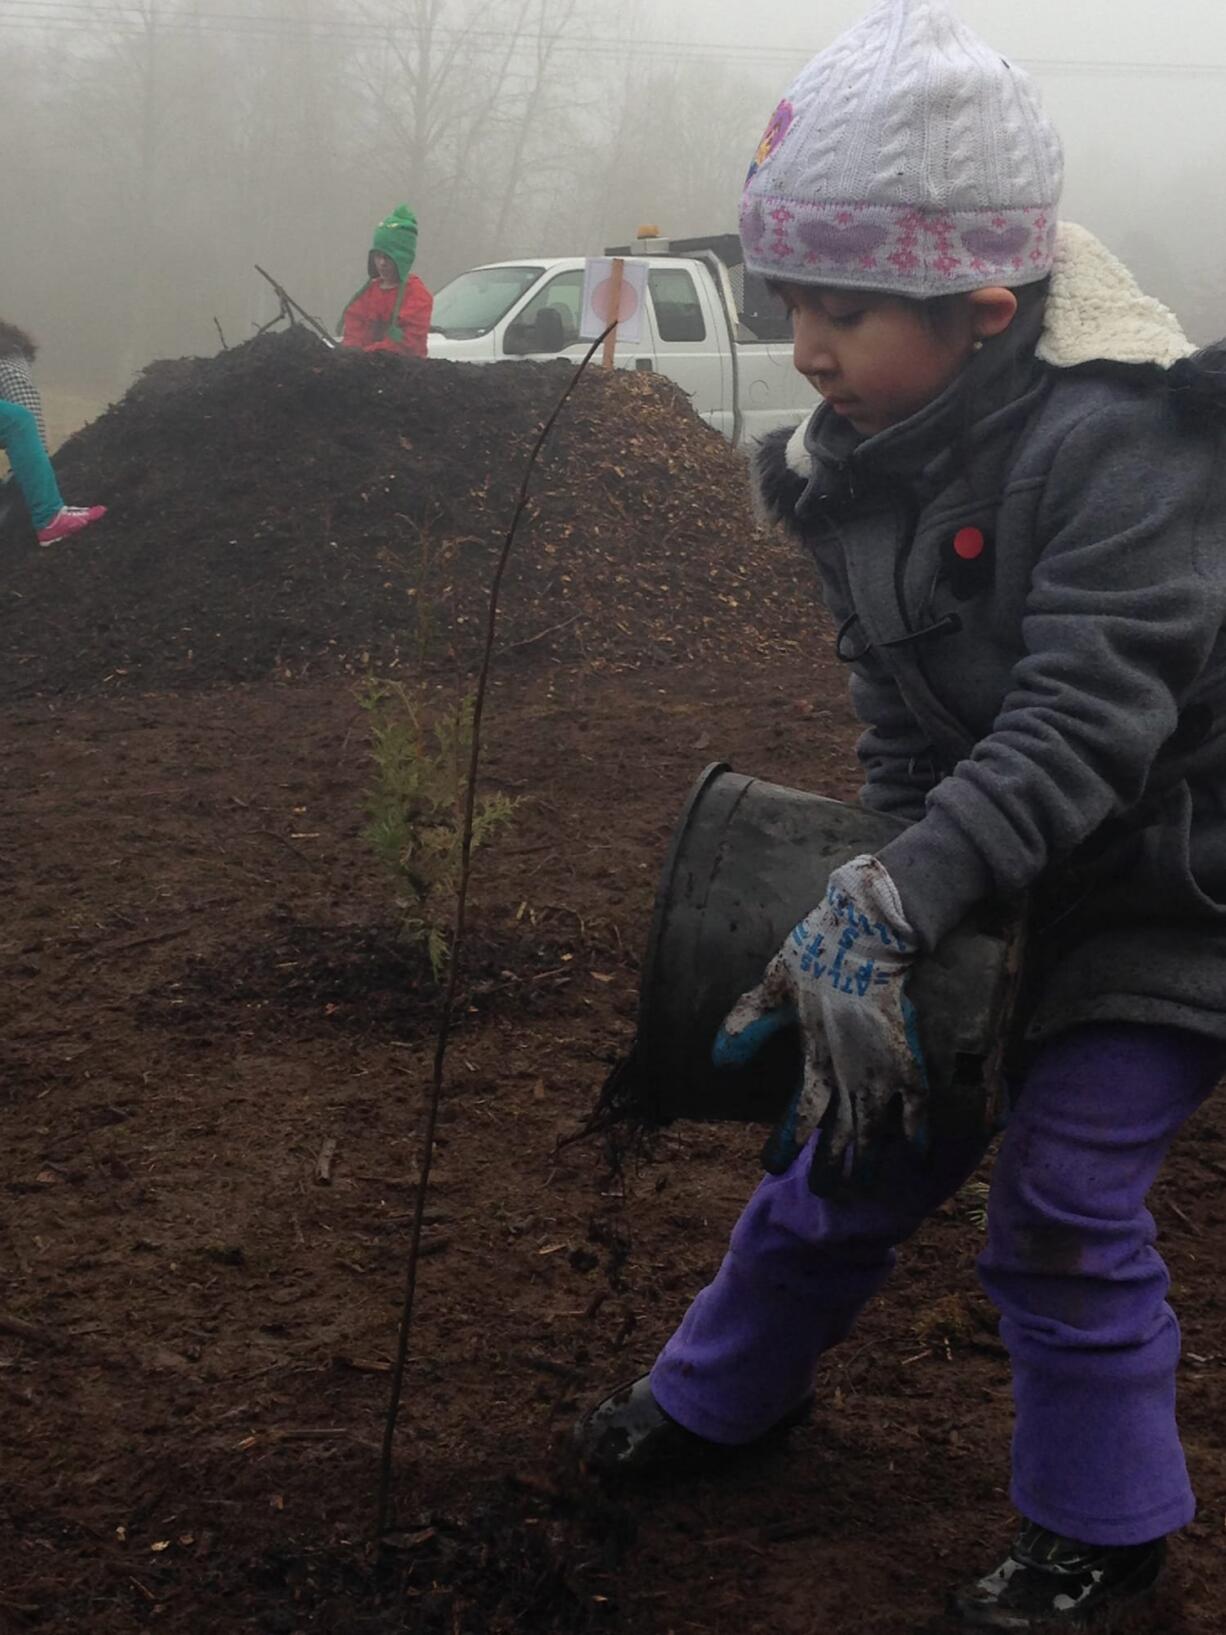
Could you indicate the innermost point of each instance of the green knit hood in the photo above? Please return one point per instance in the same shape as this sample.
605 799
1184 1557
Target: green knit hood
395 236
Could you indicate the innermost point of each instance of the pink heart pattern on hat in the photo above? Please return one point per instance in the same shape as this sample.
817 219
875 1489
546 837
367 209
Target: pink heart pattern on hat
883 247
991 245
835 242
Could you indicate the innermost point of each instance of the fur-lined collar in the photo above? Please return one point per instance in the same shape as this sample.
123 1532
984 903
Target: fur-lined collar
1096 312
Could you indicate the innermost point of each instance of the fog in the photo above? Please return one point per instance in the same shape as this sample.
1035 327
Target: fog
156 149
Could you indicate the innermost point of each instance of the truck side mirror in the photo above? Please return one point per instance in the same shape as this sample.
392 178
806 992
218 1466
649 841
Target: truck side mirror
544 332
520 338
550 331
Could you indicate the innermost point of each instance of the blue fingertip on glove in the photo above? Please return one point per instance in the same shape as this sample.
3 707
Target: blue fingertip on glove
739 1049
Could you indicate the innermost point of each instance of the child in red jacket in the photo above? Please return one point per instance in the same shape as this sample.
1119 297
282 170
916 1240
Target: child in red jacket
391 313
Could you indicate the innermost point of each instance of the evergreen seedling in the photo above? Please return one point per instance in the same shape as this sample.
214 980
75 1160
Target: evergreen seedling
415 807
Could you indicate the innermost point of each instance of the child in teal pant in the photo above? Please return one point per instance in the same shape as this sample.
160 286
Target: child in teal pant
32 473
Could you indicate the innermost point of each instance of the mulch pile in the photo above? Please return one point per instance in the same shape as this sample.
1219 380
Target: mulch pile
279 509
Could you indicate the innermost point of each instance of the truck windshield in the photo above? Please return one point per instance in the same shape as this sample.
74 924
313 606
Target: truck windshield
474 302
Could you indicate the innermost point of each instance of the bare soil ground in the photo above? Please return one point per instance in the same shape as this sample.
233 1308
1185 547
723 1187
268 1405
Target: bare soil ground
203 988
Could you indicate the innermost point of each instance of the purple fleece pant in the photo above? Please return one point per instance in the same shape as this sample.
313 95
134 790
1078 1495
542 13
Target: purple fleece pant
1070 1264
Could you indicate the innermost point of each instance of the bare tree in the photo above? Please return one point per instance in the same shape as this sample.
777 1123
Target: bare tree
182 140
461 96
705 117
532 116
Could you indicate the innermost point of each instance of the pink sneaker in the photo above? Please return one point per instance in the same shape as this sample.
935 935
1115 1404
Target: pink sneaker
69 519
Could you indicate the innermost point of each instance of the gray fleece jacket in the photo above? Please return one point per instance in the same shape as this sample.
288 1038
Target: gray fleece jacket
1052 711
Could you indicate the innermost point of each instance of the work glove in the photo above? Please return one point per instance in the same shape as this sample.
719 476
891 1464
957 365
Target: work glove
841 977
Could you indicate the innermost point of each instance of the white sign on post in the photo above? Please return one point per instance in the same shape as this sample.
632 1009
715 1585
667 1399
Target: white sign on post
607 296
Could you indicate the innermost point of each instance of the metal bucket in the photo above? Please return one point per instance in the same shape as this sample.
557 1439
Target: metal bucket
747 861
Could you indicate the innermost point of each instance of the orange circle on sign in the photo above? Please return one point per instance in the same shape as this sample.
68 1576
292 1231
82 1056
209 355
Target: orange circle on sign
602 302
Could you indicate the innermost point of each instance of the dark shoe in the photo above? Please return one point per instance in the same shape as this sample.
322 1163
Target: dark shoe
1049 1582
629 1434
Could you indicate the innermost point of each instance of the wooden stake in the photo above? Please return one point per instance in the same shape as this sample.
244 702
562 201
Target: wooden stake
615 311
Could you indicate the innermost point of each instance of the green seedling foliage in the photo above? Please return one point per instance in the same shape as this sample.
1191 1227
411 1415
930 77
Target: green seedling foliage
415 807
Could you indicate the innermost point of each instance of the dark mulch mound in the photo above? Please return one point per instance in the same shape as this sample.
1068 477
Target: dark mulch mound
280 509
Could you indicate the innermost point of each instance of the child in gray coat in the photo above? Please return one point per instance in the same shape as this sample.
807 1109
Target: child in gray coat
1015 493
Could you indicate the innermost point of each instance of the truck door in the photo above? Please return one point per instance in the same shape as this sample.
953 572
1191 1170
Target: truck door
549 323
548 326
691 348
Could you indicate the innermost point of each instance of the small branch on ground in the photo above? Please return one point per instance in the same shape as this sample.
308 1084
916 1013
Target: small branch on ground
21 1330
540 636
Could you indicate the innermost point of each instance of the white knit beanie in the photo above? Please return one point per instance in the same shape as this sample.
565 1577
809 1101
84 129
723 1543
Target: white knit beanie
910 158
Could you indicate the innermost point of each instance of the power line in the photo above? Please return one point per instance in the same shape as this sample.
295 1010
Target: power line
76 15
129 21
358 35
328 24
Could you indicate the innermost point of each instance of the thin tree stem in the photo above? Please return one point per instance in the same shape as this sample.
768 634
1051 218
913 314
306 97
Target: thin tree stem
453 966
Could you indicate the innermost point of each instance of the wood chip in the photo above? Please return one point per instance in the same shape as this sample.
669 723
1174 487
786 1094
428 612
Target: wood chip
323 1164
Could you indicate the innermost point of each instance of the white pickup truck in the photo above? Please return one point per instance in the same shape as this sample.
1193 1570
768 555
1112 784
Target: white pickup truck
720 335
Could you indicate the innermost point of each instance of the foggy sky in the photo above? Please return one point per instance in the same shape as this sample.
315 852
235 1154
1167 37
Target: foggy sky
287 146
